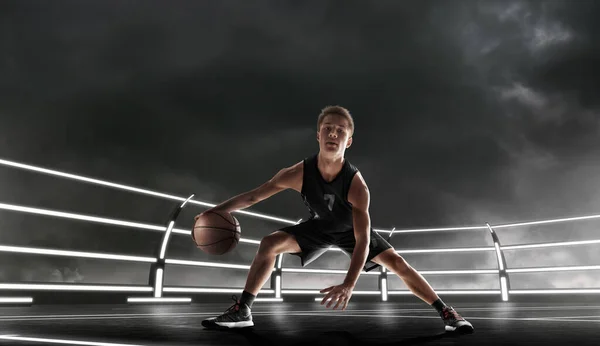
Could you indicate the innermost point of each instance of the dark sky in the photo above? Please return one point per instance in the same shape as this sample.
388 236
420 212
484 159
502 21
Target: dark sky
466 112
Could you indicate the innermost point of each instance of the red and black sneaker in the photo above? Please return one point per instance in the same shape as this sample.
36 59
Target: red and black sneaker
454 321
237 316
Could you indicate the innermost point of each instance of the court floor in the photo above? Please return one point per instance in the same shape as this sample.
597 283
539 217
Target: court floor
288 323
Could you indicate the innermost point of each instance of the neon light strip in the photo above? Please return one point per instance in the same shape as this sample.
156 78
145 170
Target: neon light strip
425 272
547 221
129 188
163 247
80 217
558 291
27 300
318 292
210 290
279 261
61 341
189 233
471 228
551 269
472 249
278 286
58 287
158 300
453 272
566 243
322 271
268 299
478 292
97 219
384 291
158 283
38 251
503 288
499 254
205 204
207 264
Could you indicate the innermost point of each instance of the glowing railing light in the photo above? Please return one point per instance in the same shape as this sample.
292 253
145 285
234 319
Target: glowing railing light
278 290
557 291
210 290
80 217
472 249
542 245
207 264
471 228
552 269
268 300
477 292
278 286
80 254
578 218
499 254
74 287
16 300
158 283
132 189
313 292
158 300
504 289
322 271
60 341
189 233
163 247
424 272
455 272
103 220
384 291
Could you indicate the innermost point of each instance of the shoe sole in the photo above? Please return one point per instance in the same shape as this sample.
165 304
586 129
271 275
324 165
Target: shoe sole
227 325
462 329
243 324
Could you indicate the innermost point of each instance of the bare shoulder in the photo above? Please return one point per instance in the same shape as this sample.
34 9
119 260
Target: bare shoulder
358 194
290 177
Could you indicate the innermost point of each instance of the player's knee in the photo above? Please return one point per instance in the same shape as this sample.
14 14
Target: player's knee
269 245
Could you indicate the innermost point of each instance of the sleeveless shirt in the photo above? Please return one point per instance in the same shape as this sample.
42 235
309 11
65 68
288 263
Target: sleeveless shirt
328 200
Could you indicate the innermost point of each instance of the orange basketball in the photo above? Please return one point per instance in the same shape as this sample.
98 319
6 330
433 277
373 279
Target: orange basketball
216 232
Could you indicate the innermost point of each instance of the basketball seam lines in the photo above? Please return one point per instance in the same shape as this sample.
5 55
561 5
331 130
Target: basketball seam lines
218 241
219 228
223 217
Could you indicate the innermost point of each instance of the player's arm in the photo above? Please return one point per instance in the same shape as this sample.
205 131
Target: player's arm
287 178
359 197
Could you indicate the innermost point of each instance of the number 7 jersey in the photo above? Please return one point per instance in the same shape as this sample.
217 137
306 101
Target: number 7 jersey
328 200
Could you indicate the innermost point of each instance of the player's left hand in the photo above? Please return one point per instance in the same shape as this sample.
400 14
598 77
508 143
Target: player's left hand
340 294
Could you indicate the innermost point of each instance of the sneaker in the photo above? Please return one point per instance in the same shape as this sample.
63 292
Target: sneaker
237 316
454 321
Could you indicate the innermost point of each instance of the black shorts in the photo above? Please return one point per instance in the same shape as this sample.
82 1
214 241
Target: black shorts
315 236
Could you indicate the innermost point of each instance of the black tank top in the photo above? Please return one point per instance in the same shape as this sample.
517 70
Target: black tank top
328 200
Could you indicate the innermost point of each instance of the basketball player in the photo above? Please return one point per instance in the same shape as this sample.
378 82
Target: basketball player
337 197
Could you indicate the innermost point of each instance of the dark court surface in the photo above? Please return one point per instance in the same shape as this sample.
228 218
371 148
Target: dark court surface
306 323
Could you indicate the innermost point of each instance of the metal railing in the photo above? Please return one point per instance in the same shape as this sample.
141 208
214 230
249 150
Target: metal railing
156 274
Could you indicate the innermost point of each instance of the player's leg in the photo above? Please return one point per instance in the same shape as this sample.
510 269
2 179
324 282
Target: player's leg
239 314
262 266
415 282
421 288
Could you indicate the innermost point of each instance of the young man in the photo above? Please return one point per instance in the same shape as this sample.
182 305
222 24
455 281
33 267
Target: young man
337 197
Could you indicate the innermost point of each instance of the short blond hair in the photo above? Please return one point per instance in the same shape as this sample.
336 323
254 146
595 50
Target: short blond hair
338 110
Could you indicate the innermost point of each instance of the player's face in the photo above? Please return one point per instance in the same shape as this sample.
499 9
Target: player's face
334 134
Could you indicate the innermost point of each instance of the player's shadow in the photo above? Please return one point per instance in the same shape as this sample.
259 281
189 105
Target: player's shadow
340 338
334 338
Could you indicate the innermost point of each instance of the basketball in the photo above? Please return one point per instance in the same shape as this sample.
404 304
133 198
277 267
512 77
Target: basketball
216 232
